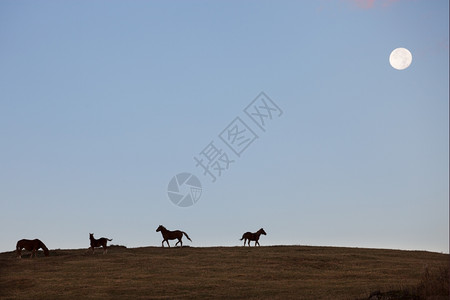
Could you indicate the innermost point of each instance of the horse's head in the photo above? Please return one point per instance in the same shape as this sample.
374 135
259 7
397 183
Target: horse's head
261 231
42 245
160 227
91 236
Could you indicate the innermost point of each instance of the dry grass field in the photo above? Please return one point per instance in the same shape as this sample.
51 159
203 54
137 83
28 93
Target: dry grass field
274 272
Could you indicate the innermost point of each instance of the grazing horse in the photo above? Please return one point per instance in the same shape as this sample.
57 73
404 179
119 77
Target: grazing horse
30 245
252 237
171 235
101 242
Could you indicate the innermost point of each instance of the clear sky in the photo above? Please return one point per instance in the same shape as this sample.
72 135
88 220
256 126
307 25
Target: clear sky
103 102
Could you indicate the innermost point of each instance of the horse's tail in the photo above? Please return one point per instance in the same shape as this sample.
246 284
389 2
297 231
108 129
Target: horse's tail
109 239
186 236
18 248
242 237
42 245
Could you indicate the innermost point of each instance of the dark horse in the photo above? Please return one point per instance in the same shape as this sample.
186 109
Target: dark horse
30 245
252 237
101 242
171 235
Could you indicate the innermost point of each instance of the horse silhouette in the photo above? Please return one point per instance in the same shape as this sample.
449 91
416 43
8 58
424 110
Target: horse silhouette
171 235
252 237
30 245
101 242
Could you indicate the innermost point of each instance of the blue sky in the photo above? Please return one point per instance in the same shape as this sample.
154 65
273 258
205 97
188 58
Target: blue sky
103 102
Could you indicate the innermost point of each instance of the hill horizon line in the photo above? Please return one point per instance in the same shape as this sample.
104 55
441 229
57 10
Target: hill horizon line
240 246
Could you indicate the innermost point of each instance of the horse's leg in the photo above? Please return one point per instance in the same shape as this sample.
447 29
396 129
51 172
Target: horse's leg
181 242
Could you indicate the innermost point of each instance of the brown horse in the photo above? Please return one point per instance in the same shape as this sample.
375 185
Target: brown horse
101 242
30 245
171 235
252 237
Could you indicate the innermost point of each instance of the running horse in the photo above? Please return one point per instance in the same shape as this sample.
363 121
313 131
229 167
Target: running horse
252 237
171 235
30 245
96 243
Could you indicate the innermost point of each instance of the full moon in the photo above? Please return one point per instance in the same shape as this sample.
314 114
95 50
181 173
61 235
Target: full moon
400 58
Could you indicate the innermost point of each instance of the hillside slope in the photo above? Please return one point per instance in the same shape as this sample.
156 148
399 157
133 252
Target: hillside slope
282 272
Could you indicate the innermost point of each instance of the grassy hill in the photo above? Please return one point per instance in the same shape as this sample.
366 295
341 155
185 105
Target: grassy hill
275 272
